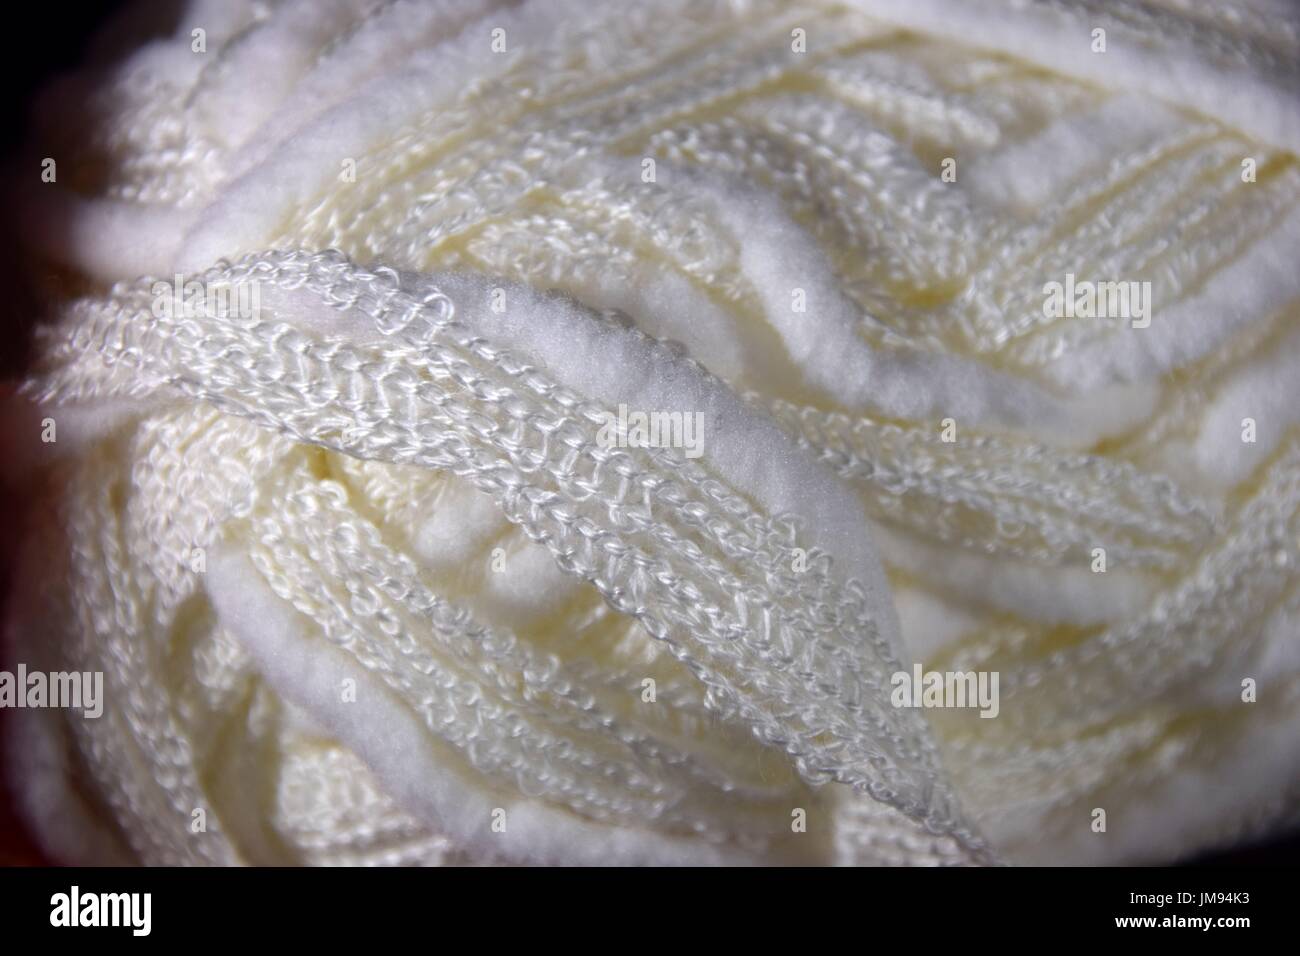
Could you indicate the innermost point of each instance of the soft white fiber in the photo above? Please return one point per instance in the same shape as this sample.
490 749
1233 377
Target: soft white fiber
369 583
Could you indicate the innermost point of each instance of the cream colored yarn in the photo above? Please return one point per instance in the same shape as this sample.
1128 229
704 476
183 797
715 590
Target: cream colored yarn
366 587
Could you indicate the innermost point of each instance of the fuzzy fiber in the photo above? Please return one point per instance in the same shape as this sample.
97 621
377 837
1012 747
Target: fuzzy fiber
365 585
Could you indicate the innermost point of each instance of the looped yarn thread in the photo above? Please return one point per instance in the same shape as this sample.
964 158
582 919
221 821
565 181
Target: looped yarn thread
552 433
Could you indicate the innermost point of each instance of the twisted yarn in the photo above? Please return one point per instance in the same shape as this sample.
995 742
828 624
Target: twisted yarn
367 585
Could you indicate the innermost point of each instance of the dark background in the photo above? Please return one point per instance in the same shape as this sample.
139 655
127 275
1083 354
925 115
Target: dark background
55 39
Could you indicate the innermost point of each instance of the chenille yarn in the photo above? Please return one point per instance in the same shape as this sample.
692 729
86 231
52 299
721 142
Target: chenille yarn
395 488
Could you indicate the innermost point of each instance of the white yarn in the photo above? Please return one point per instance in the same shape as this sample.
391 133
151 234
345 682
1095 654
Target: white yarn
399 490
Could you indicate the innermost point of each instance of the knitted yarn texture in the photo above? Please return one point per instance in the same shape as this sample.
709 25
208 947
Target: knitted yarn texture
549 432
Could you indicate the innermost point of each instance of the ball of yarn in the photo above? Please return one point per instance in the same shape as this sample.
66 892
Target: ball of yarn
568 433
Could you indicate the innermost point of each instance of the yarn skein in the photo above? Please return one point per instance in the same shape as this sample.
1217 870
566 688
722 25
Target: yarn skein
554 433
